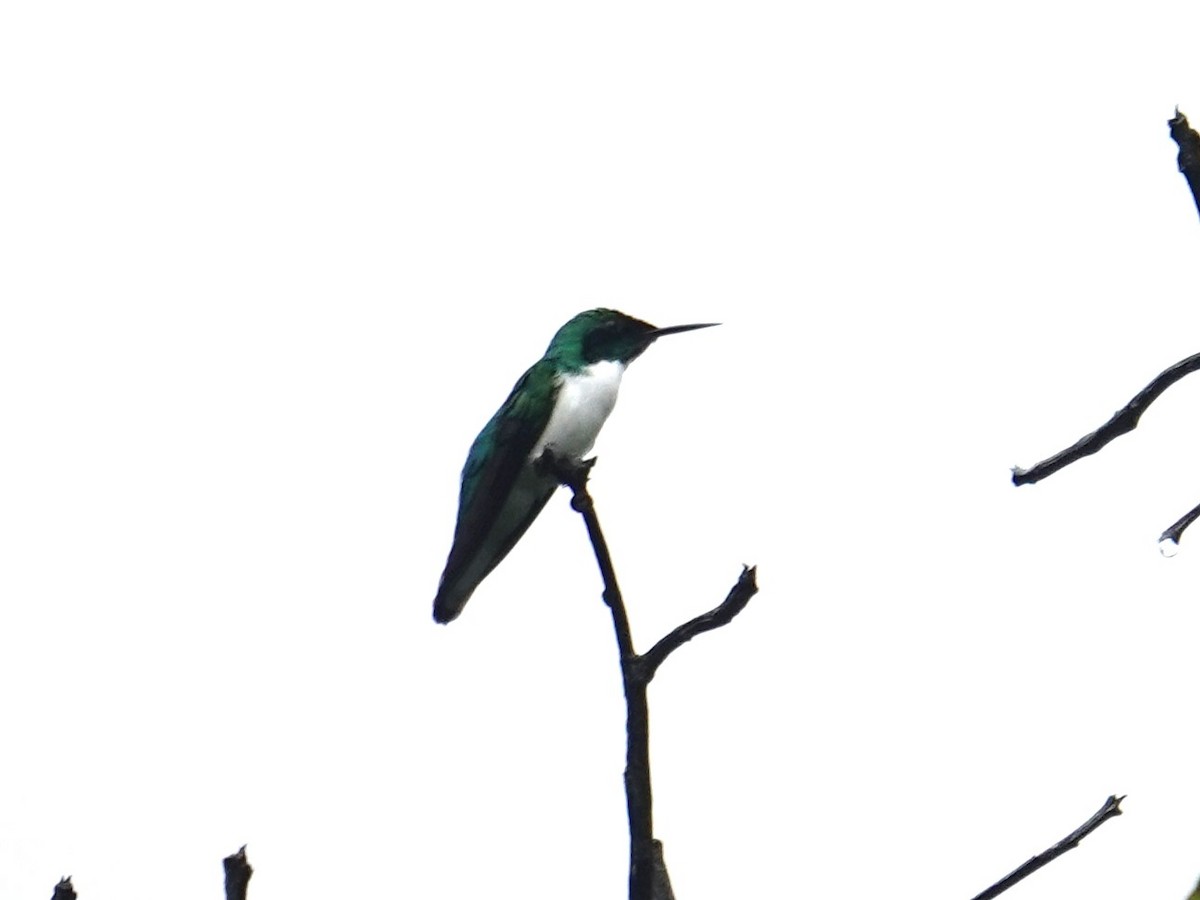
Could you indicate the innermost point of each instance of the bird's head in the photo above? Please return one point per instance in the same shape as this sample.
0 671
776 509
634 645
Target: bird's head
606 334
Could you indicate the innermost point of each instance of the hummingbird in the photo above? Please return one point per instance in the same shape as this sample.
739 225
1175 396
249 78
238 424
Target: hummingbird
560 403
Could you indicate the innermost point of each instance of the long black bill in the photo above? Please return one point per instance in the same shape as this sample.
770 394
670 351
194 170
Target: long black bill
676 329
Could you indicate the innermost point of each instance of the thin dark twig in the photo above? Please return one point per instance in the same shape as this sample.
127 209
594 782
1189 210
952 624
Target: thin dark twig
1111 807
648 878
237 875
638 798
739 595
1189 152
1175 532
64 890
1122 422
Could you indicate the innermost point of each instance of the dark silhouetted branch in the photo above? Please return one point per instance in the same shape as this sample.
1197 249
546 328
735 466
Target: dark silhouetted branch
237 875
1124 421
734 603
648 878
64 890
1111 807
1189 152
662 881
1175 532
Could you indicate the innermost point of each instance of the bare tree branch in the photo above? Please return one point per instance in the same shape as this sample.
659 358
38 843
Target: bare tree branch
1111 807
1189 152
648 878
1125 420
237 875
739 595
1175 532
638 798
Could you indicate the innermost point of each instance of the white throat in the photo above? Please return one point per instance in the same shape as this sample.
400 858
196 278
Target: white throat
584 400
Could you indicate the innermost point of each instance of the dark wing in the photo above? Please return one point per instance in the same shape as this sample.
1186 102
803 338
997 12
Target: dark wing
497 457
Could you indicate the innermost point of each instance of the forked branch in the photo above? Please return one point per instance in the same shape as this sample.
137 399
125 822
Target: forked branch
648 879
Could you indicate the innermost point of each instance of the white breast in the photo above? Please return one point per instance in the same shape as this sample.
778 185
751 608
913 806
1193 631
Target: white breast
583 403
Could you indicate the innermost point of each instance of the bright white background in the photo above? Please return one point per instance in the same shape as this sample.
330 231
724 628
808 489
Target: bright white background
268 267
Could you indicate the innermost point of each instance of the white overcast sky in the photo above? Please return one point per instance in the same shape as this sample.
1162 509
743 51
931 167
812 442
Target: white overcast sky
267 269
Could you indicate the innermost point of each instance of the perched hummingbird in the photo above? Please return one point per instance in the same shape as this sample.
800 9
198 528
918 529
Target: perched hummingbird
560 402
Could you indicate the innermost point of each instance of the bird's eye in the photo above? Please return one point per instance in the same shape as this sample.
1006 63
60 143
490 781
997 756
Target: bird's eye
595 341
